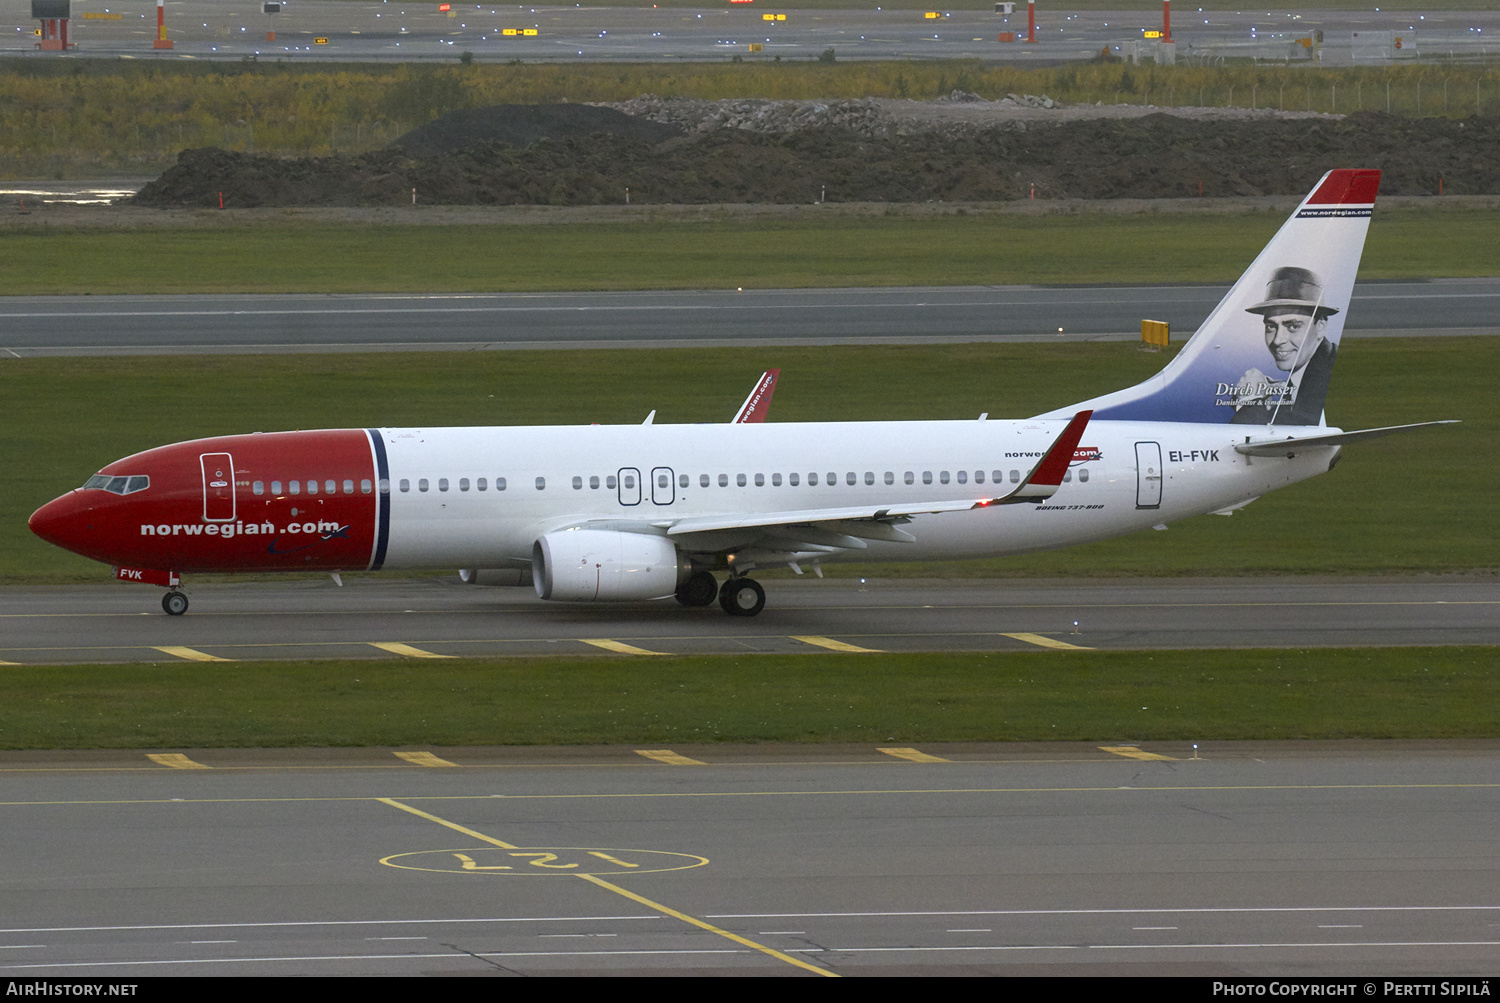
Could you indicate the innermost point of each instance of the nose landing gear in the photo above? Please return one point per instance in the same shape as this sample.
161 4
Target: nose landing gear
174 603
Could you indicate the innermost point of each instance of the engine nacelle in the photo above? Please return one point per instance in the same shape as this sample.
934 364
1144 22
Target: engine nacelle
596 565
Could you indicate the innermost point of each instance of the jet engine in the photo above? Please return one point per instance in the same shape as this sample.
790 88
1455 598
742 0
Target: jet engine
595 565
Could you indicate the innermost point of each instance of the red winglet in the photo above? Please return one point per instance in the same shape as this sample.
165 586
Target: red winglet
758 404
1347 187
1049 473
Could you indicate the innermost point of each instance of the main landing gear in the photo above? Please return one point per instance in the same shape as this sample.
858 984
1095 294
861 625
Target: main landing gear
742 597
698 589
175 603
738 596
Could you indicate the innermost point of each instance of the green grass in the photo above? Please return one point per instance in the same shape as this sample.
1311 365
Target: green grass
1410 503
90 118
822 249
1088 696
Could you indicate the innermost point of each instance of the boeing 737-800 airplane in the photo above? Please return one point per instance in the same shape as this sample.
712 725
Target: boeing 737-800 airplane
635 512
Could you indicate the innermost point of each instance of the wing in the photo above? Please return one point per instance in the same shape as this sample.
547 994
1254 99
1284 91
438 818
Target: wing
803 534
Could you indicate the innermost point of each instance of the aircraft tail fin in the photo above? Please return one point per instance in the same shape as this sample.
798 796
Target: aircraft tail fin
1265 354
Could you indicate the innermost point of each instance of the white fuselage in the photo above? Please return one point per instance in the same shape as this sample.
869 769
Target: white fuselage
1126 476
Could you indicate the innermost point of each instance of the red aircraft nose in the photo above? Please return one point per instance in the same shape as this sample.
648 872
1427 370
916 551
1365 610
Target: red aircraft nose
64 521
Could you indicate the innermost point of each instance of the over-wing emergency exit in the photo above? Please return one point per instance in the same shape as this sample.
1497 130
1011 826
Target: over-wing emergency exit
637 512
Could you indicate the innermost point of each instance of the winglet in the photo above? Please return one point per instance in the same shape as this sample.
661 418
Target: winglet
1043 481
758 404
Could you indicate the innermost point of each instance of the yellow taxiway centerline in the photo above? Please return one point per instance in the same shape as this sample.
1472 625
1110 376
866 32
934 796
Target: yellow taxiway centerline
702 925
610 886
452 825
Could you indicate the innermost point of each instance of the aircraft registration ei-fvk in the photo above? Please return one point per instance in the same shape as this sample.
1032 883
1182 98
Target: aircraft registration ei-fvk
638 512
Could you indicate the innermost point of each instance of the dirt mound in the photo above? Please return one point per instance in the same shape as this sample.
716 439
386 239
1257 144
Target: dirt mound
956 113
1156 156
864 116
524 124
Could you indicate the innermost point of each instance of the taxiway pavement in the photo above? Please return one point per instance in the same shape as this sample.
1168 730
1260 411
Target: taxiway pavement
418 618
121 325
1253 859
366 30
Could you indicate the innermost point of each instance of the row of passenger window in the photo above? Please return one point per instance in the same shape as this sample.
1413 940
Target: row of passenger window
130 485
851 478
740 480
330 487
480 484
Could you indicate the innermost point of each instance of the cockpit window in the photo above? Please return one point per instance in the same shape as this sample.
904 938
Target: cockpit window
128 485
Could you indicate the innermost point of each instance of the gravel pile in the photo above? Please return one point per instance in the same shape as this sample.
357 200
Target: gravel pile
864 117
959 113
523 124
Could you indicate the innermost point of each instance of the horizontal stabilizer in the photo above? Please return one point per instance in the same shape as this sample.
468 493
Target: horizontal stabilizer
1291 445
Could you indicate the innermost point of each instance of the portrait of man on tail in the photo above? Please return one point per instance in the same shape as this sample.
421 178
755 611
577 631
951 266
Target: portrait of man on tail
1296 321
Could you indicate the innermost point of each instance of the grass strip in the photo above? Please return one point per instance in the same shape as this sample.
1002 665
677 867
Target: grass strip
1023 696
820 250
1132 6
1017 21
